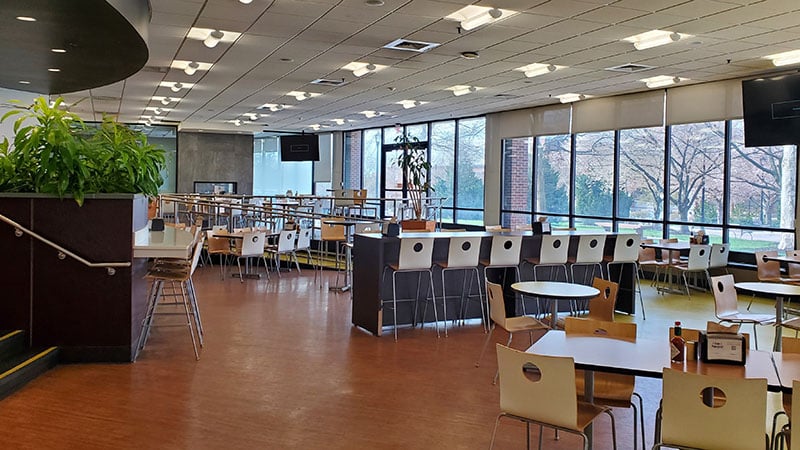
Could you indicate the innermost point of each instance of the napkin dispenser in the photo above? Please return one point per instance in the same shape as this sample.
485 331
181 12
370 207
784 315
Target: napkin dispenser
157 224
725 348
540 227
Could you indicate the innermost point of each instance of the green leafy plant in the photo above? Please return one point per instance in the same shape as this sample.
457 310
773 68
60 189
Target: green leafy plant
413 161
54 152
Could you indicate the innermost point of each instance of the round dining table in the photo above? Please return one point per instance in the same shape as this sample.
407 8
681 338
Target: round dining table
555 290
780 291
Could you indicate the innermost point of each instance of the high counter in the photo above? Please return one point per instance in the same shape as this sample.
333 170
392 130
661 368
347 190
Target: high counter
372 253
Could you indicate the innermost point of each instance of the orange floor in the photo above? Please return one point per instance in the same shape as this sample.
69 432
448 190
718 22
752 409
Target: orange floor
284 368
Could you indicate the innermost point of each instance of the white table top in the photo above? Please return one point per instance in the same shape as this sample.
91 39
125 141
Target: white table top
555 289
781 289
170 243
645 357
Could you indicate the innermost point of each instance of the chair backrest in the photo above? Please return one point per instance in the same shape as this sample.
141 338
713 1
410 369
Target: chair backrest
719 255
219 227
497 305
550 399
647 255
554 249
793 269
505 250
216 244
725 299
795 432
601 307
286 241
626 247
699 257
790 344
665 254
590 248
767 269
304 239
582 325
463 252
415 253
331 231
344 197
253 243
738 424
198 250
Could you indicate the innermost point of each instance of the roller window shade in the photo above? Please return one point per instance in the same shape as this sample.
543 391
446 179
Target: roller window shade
554 119
705 102
641 110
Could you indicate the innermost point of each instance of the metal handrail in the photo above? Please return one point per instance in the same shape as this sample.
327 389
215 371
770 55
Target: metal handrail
19 230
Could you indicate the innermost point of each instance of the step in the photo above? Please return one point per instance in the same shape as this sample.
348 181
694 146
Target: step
18 370
12 343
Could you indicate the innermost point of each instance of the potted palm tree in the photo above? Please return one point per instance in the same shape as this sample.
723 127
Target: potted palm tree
413 162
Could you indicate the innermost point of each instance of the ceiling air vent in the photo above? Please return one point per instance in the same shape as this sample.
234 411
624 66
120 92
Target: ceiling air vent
411 46
630 68
328 82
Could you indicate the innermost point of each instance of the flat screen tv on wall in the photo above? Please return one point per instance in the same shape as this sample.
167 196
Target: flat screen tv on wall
771 111
299 147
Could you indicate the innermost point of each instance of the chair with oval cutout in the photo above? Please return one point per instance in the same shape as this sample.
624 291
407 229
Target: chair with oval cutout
626 251
541 390
416 256
463 255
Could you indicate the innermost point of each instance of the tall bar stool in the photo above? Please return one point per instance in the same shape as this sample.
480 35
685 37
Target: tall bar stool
416 256
504 254
181 274
552 254
463 255
626 251
590 253
331 232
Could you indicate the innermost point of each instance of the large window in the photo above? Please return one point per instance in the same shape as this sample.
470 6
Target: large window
273 177
658 182
553 165
457 155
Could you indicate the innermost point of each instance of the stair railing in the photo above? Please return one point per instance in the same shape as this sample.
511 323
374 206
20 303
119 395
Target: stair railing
20 231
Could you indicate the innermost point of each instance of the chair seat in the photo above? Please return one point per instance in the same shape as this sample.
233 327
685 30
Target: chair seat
793 323
586 413
523 323
444 265
746 317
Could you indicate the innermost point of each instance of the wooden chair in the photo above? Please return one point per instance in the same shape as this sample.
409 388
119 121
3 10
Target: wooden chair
612 390
726 307
221 247
497 314
769 271
688 422
602 306
541 390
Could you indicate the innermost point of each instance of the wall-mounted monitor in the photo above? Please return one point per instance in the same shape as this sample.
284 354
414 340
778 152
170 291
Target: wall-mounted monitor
299 147
771 111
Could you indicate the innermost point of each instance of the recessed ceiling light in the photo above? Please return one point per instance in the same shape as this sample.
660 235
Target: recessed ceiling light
245 2
54 69
24 82
58 50
469 55
26 18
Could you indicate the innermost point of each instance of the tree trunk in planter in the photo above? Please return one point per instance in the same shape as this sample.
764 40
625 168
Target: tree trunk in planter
90 315
418 225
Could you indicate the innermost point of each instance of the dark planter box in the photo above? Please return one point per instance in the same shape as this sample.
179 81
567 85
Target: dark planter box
89 314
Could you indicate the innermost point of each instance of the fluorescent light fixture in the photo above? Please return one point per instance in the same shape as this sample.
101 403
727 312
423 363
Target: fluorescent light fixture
338 121
213 38
54 69
370 114
661 81
408 104
175 86
24 82
360 69
301 95
654 38
536 69
202 34
785 58
58 50
315 126
164 100
251 116
473 16
245 2
191 68
570 97
26 18
460 90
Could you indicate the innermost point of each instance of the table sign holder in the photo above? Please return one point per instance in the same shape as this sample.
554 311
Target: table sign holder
725 348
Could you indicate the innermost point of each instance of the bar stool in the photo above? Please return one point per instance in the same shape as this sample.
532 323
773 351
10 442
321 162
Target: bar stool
552 254
590 253
626 251
175 273
331 231
504 254
416 256
463 255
